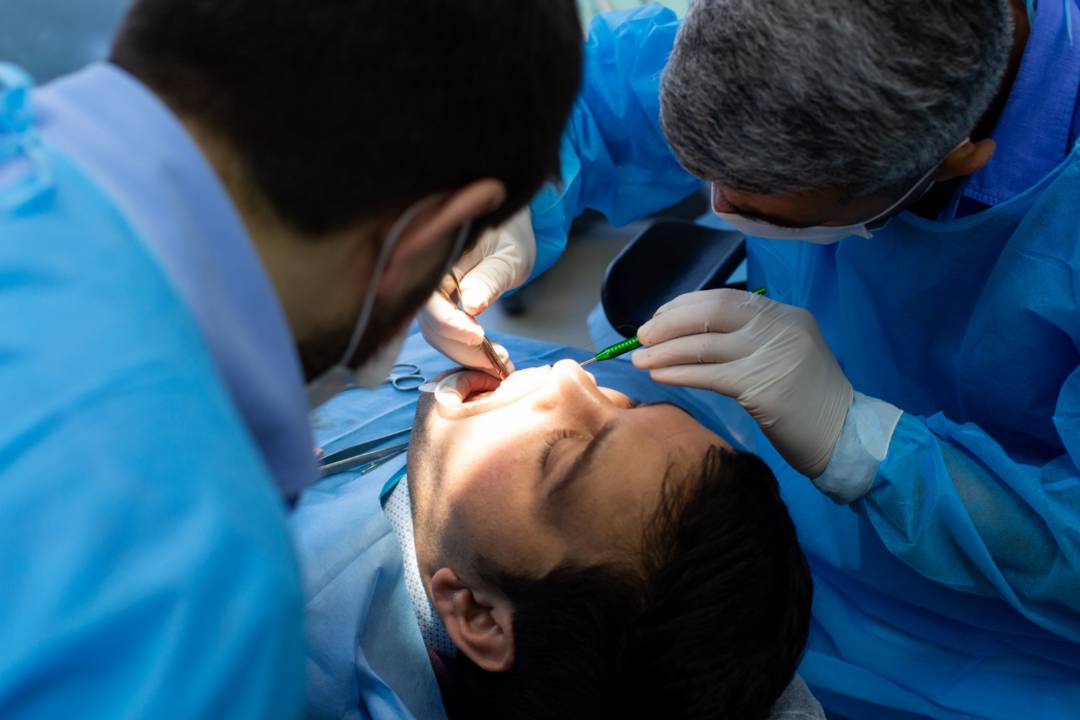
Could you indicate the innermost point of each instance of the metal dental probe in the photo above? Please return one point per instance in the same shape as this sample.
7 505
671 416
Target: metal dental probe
486 346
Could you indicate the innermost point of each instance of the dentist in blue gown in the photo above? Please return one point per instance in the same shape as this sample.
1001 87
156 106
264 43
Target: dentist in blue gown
247 196
909 178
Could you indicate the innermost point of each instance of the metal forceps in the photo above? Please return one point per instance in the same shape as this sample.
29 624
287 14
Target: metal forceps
406 377
363 456
486 346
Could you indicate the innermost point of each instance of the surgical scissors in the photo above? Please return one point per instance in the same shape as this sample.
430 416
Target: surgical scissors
406 376
363 455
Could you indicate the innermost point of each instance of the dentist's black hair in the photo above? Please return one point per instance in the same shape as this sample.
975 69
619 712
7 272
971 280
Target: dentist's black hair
345 108
715 627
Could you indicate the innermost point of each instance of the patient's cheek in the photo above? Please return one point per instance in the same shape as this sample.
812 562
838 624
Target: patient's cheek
504 526
486 463
497 507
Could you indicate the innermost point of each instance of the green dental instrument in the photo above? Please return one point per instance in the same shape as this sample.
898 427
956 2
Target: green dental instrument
621 348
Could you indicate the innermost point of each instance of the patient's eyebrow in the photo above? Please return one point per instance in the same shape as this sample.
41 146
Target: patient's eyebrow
580 466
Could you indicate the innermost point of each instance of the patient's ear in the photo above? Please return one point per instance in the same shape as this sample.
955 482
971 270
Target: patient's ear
479 621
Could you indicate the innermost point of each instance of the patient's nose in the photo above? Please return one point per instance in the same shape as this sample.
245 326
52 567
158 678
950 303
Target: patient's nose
575 388
571 372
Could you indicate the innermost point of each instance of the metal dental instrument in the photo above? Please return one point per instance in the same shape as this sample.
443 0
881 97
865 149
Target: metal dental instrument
365 461
362 453
621 348
455 299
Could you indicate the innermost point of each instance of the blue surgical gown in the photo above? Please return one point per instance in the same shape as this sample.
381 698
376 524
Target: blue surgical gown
952 588
146 565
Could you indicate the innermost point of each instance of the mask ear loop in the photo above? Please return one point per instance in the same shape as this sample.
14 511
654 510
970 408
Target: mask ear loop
380 265
915 188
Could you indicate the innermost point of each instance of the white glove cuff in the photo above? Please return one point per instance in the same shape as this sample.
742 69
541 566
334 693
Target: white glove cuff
860 449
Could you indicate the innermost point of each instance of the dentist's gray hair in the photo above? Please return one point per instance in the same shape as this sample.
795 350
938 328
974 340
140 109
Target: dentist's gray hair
772 96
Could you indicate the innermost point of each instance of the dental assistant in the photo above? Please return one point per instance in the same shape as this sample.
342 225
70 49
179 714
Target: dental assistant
189 234
908 175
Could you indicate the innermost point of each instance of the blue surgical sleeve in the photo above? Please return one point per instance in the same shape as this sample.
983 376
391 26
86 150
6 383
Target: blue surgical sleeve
952 503
614 156
147 567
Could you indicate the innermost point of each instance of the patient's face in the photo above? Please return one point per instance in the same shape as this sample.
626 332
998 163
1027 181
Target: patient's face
547 469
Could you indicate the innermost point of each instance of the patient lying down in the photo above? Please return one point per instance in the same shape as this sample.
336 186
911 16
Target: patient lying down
591 557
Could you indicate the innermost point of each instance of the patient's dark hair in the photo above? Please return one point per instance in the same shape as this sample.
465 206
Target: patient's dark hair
345 107
714 629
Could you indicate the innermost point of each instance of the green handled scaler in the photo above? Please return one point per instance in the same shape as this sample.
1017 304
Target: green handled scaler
621 348
614 351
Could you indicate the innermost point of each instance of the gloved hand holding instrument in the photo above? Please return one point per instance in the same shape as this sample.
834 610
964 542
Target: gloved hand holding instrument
768 356
502 260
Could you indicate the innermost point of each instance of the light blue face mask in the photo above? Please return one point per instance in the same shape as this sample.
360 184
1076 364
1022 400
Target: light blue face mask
375 371
819 234
828 234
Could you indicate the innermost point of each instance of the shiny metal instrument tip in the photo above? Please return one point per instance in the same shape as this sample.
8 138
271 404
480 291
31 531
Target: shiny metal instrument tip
486 346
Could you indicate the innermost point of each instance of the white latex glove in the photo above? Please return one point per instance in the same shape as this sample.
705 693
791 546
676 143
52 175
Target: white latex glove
501 260
768 356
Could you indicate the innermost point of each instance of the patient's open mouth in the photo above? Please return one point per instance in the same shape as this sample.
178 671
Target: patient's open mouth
480 395
465 387
469 391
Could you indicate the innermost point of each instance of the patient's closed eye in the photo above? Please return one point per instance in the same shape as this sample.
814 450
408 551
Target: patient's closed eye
554 441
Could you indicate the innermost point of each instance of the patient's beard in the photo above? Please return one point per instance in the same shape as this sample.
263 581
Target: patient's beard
424 468
440 533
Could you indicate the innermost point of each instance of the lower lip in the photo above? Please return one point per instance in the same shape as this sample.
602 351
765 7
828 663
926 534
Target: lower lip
470 391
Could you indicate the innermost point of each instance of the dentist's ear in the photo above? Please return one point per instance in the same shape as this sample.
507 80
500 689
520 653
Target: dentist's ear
424 241
968 159
480 622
